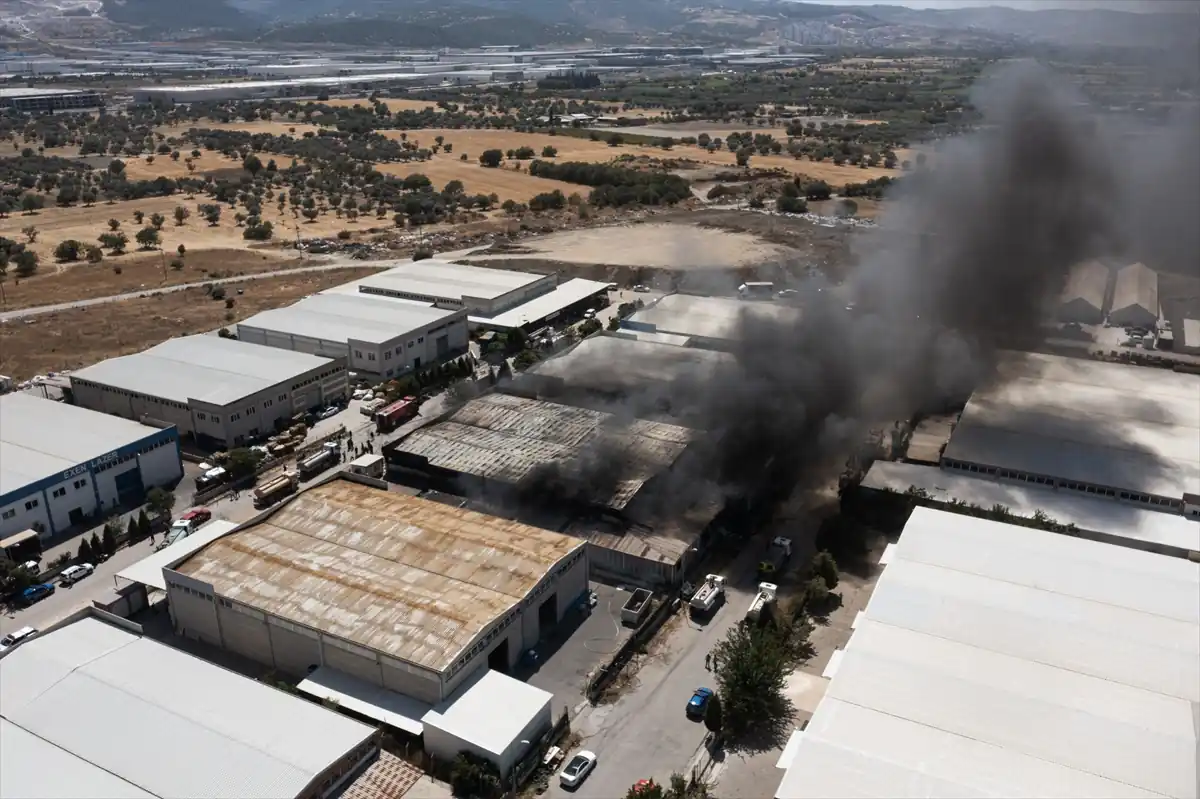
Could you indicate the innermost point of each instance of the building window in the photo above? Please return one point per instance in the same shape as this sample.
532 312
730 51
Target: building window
216 419
200 416
387 356
268 403
81 483
59 492
8 514
283 397
370 356
358 353
233 417
31 504
420 339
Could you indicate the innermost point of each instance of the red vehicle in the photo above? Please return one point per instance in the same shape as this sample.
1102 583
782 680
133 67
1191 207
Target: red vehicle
196 516
392 416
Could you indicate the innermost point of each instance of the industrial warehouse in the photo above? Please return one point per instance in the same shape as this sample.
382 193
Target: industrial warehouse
219 391
494 299
503 441
378 337
1110 430
93 710
61 465
1066 667
645 375
44 99
1085 297
379 590
705 322
605 480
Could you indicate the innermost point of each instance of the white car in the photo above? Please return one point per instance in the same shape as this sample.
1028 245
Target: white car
17 638
73 574
640 289
577 769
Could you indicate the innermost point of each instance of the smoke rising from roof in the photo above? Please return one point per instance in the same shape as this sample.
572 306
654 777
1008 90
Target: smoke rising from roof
964 263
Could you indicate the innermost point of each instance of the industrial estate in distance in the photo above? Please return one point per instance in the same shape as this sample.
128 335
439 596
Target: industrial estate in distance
581 493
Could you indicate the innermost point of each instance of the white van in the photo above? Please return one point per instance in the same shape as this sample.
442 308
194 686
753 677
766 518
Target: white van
17 638
73 574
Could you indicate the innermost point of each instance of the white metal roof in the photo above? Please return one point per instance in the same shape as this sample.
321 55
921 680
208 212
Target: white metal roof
996 660
209 369
40 438
611 361
1088 281
444 279
366 699
343 318
149 570
58 775
15 92
1088 513
544 305
1136 284
1125 427
490 711
167 723
703 317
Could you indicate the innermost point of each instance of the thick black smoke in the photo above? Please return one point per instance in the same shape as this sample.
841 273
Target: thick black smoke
966 261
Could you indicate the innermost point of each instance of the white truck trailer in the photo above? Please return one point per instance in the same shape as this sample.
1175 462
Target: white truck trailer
710 592
765 596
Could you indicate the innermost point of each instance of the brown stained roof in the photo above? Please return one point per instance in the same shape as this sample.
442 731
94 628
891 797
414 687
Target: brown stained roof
415 579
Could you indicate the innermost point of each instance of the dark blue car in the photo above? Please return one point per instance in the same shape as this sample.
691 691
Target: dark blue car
35 592
697 706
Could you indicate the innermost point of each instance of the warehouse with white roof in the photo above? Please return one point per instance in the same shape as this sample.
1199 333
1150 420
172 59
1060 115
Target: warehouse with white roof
221 391
1108 430
495 299
1135 297
382 337
996 660
61 465
93 710
708 322
1084 296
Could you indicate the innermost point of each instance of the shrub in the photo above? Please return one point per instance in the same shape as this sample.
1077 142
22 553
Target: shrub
68 250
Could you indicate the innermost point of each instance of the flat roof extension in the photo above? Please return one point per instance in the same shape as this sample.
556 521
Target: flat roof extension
414 579
611 361
1066 668
40 438
704 317
210 369
346 317
544 305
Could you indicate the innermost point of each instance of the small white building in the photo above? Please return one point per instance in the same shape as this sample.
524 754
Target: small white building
1135 297
377 336
492 716
482 291
221 391
60 465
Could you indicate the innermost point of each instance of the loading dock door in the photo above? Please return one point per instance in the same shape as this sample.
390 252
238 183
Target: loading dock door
129 486
547 615
498 659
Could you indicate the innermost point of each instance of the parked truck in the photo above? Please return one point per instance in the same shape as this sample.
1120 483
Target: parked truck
765 596
213 476
710 592
778 553
319 461
392 416
275 489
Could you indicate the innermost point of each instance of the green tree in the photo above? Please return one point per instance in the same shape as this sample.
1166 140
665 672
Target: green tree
181 214
94 254
85 552
147 238
212 214
713 718
753 662
138 217
97 545
243 462
825 567
159 501
252 164
26 263
108 543
68 250
116 242
614 323
473 776
158 220
143 524
114 224
816 592
132 531
491 158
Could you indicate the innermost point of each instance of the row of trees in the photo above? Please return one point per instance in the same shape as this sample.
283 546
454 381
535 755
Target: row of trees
616 185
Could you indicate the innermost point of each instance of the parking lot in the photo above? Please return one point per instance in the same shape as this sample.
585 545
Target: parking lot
582 645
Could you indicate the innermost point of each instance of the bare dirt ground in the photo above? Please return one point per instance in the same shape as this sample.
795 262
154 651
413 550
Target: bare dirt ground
662 246
82 336
138 272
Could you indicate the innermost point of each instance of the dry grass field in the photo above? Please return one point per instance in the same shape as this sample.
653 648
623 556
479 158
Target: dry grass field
82 336
137 272
86 224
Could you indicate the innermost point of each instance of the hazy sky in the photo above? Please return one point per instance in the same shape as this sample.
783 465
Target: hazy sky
1028 5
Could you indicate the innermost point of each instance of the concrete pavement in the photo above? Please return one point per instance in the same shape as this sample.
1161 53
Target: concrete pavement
645 734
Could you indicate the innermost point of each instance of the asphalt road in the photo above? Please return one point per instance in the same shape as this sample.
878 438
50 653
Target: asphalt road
326 264
646 734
